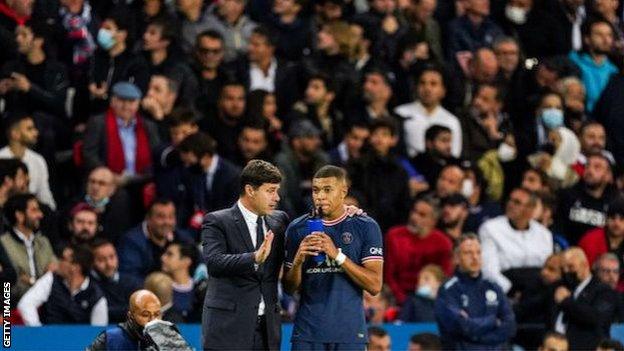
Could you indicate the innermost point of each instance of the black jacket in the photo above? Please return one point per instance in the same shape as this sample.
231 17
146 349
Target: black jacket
235 285
608 111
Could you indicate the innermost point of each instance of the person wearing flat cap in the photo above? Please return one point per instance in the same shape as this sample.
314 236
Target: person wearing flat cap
121 139
298 161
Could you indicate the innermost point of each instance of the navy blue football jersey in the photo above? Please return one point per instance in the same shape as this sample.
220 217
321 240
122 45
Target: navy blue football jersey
330 309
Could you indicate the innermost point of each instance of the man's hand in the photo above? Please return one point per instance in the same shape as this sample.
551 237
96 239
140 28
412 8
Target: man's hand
99 91
309 246
354 211
265 249
20 82
561 294
150 105
327 245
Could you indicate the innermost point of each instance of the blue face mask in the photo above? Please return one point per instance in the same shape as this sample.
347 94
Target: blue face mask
105 39
425 291
552 118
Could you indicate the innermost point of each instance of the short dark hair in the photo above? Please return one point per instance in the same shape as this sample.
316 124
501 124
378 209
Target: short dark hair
533 198
199 144
14 119
38 28
172 83
9 168
610 344
435 130
327 81
258 172
182 115
500 91
161 201
376 331
588 123
189 251
99 242
330 171
266 33
385 123
209 33
231 83
17 203
588 25
168 29
427 341
122 18
82 256
435 69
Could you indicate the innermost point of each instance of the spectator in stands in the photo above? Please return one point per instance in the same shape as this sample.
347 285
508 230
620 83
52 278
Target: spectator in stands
67 296
424 342
164 59
229 19
507 50
211 182
584 206
352 146
141 247
437 153
472 31
82 224
427 111
159 102
34 82
450 181
226 124
454 212
180 261
423 25
193 20
14 180
29 251
606 112
594 63
114 61
262 70
298 162
536 181
22 136
554 341
380 177
419 307
472 312
481 68
121 139
162 286
116 286
485 125
609 238
253 143
481 206
377 97
585 308
291 28
610 345
574 95
378 339
607 269
209 69
319 108
514 245
14 13
411 247
593 138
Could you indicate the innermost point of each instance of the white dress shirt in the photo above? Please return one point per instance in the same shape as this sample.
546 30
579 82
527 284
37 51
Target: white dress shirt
251 219
417 120
38 174
504 247
561 327
39 294
257 79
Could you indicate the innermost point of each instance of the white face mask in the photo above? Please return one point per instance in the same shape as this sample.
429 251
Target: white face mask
467 188
506 152
515 14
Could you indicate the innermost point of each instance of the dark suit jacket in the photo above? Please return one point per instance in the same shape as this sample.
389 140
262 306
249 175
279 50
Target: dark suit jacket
589 316
95 140
234 285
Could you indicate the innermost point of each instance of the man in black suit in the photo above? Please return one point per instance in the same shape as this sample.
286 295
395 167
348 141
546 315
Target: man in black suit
243 247
210 181
584 307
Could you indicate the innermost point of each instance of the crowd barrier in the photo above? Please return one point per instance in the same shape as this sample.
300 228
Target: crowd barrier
62 338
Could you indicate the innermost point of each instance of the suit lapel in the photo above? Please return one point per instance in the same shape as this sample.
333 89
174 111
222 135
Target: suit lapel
243 231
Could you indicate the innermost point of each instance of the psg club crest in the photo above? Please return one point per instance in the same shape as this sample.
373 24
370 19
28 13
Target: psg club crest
347 238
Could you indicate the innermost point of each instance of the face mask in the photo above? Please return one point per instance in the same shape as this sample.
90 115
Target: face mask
570 280
105 39
516 14
552 118
506 152
97 204
425 291
467 188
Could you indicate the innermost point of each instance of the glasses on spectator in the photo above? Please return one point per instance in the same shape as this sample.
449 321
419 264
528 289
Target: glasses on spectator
209 51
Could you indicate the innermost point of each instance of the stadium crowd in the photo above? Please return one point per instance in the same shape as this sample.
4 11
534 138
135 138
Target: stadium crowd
485 137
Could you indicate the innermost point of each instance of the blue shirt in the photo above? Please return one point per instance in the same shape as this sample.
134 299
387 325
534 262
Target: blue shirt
330 309
127 134
595 76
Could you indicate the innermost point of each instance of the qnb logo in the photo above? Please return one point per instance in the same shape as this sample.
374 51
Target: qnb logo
376 251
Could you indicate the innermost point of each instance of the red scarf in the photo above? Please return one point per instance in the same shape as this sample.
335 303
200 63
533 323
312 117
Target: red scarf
9 12
115 158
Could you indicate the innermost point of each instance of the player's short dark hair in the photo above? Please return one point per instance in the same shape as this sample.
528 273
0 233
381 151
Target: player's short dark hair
199 144
610 344
182 115
17 203
330 171
385 123
427 341
258 172
435 130
189 251
376 331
